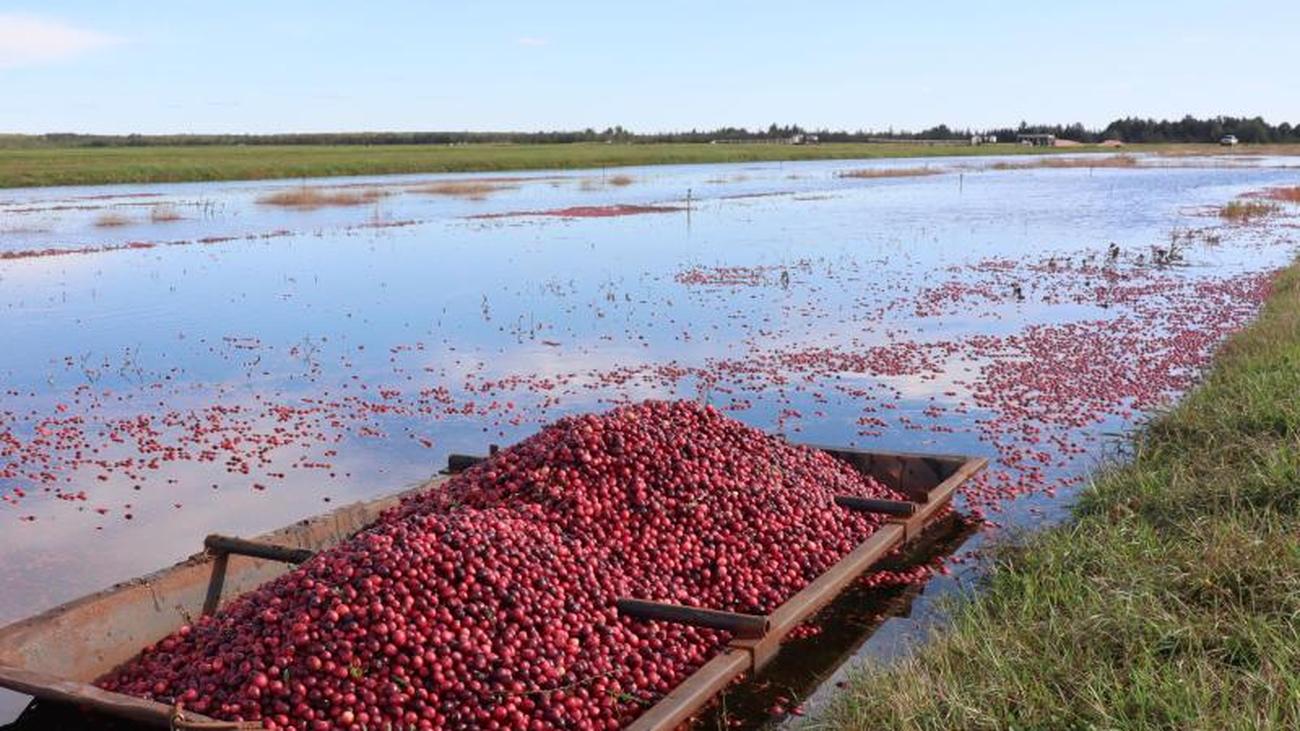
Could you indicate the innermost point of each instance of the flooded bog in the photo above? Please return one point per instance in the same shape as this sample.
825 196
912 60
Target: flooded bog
181 360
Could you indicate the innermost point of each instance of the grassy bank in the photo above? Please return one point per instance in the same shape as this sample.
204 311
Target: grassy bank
1173 602
54 165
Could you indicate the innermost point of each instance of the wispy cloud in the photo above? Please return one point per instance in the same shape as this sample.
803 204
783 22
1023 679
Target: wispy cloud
27 40
532 41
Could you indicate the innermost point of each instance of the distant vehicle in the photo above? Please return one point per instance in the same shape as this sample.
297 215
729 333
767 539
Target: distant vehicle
1228 140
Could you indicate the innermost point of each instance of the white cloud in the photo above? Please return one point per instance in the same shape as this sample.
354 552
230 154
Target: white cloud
532 41
27 40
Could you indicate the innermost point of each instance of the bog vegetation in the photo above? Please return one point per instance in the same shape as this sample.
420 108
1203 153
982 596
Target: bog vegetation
306 197
164 213
75 159
37 166
1245 211
872 173
111 219
469 189
1109 161
1170 603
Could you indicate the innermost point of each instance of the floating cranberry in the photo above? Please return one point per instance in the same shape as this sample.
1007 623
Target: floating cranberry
490 602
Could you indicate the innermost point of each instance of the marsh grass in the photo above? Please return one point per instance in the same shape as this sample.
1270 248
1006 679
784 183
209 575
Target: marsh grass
164 214
1109 161
872 173
469 189
1246 211
1171 602
594 184
111 219
308 198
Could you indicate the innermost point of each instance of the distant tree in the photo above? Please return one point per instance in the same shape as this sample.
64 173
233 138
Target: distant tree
1127 129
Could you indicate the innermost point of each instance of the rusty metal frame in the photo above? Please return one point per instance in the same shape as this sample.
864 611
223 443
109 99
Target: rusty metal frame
56 655
743 656
221 547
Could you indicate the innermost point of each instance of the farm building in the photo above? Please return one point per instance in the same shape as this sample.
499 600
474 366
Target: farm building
1037 140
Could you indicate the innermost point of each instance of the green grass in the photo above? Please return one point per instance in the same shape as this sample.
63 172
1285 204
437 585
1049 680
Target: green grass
1171 602
26 163
53 165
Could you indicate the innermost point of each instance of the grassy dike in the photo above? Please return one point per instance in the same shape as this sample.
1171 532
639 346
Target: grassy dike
1171 602
54 165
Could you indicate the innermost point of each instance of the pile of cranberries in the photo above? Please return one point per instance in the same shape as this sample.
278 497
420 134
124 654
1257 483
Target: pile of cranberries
489 603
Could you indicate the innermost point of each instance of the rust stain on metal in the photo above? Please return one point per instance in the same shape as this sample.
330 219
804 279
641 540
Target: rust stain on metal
87 637
691 694
904 472
116 704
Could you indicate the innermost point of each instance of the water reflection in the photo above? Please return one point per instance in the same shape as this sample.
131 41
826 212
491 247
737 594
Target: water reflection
272 359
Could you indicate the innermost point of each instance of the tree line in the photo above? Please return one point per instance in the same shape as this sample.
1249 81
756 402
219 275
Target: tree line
1129 129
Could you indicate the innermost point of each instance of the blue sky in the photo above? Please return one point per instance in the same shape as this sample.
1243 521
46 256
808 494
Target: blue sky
290 65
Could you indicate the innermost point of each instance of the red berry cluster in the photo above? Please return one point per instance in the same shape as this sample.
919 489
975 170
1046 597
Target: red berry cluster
489 603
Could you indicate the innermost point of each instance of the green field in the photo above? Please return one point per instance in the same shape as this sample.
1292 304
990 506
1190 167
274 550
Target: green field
1172 602
22 166
24 163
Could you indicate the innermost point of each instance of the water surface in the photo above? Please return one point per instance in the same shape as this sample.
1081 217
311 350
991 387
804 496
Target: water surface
245 365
